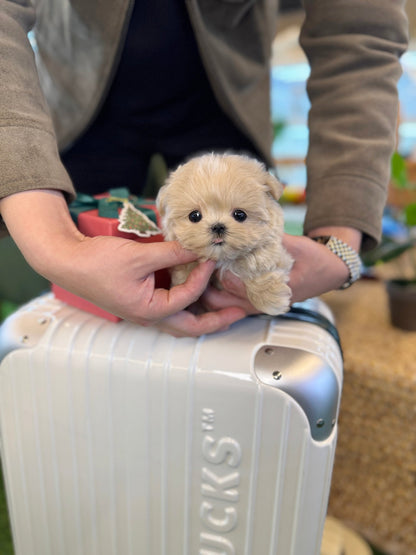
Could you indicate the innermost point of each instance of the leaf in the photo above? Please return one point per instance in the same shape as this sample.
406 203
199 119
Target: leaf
278 127
410 214
386 251
399 170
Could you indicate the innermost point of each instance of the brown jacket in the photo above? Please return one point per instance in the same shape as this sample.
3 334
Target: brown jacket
353 47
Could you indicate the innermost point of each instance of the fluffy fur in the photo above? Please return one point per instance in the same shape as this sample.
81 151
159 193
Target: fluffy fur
224 207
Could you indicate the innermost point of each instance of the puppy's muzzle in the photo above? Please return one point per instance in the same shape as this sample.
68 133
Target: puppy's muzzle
219 229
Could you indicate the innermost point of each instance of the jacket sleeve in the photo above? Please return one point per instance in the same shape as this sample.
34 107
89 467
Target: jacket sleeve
29 157
353 47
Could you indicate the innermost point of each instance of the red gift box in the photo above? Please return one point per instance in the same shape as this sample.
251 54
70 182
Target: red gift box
110 214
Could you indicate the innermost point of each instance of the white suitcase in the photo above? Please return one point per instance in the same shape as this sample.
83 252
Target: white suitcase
119 440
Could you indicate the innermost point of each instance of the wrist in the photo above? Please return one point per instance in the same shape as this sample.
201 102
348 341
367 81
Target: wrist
349 235
42 228
343 243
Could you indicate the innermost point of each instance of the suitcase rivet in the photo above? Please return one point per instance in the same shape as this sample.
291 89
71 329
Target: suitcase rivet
320 423
277 375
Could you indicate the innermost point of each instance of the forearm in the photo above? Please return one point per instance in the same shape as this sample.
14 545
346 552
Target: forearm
29 157
352 87
41 226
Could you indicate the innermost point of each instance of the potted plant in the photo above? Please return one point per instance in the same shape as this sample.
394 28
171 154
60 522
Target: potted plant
397 250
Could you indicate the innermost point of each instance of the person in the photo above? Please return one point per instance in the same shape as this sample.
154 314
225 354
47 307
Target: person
111 82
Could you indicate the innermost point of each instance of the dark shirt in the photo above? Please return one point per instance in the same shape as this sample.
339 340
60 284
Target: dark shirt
160 101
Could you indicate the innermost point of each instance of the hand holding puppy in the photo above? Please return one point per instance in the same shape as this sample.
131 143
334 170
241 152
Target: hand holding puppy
114 273
224 208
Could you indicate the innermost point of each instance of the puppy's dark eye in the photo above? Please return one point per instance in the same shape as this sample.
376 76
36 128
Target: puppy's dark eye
239 215
195 216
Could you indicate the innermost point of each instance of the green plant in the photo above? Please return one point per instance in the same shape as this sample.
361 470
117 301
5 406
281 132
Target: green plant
403 239
6 308
399 173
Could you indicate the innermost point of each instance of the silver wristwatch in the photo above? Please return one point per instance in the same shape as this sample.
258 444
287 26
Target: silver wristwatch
346 253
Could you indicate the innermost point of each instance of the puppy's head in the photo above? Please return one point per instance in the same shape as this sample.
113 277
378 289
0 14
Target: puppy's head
220 206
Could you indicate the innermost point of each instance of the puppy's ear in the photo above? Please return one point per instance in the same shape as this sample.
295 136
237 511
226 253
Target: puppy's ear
161 200
274 187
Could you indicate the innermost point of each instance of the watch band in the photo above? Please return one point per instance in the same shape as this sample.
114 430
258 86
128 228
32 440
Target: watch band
346 253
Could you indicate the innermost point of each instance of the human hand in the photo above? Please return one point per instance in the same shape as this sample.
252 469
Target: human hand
316 270
114 273
124 285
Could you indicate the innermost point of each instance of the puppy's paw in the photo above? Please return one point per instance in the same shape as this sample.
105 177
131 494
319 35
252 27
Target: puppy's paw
269 293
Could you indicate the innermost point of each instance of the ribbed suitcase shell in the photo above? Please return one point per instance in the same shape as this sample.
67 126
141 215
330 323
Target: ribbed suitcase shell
120 440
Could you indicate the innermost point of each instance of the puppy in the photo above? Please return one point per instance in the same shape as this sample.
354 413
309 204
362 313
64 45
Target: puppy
224 207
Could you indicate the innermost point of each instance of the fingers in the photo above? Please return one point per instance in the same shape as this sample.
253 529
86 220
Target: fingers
233 284
214 299
187 324
164 303
166 309
233 293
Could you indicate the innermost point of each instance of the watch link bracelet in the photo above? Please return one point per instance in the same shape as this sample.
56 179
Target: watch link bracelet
346 253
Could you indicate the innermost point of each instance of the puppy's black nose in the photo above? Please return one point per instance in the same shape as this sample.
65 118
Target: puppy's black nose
218 228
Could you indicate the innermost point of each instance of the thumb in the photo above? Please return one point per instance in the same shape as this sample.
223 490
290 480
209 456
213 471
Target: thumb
180 296
195 284
166 254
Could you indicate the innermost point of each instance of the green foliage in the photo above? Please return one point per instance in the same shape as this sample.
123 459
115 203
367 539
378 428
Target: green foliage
6 543
389 248
278 127
386 251
410 214
6 308
399 171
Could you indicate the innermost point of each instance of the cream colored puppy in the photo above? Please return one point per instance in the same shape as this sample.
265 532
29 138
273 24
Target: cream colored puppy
224 208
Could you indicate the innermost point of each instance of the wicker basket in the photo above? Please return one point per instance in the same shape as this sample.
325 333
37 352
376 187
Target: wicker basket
374 481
